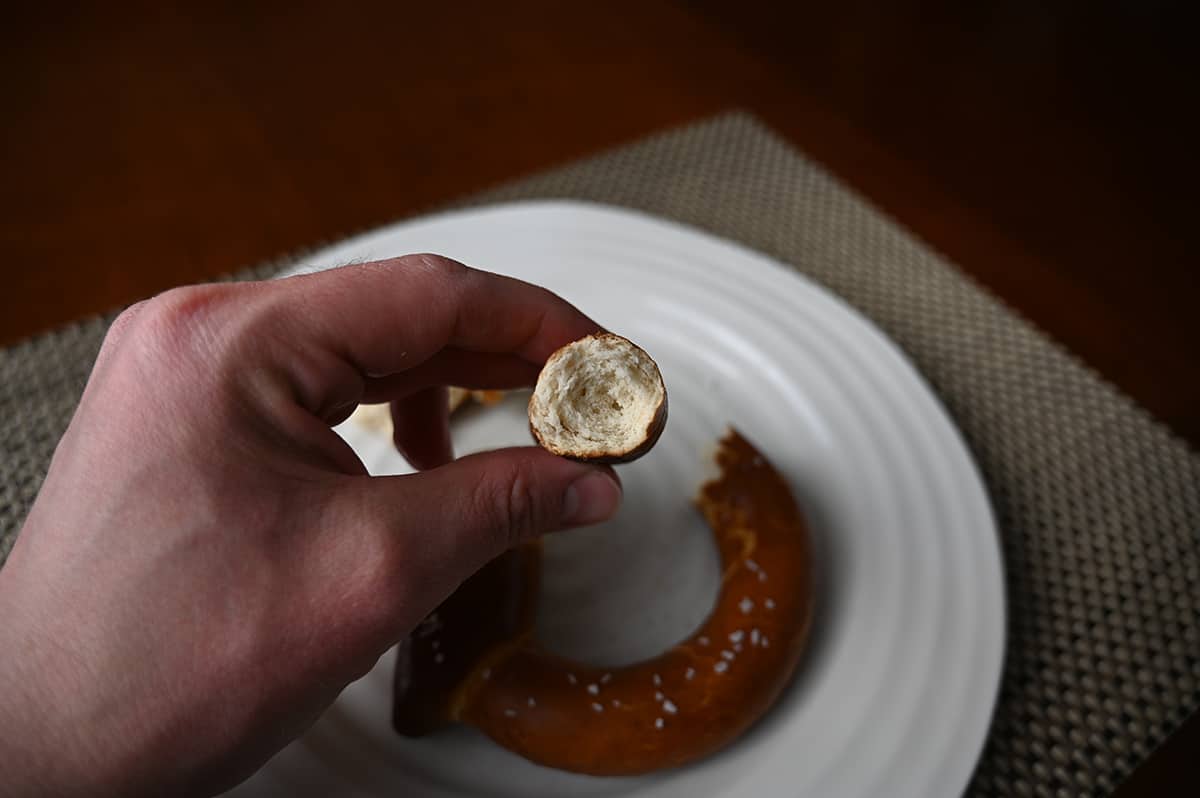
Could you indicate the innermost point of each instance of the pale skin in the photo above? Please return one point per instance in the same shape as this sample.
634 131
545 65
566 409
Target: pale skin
207 564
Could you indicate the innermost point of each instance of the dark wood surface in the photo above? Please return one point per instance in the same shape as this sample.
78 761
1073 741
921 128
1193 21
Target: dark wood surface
1046 147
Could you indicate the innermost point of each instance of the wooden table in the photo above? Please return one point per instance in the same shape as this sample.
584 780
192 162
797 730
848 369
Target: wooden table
1046 149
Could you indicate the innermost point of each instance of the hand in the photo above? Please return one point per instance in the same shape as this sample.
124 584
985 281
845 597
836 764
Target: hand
208 564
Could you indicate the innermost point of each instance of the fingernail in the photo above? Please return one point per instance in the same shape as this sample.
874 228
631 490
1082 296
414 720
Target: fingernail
591 499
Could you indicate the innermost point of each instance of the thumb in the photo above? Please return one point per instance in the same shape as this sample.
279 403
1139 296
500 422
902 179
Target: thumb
496 500
446 523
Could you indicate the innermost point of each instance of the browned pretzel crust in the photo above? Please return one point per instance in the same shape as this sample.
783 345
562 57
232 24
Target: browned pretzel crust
686 703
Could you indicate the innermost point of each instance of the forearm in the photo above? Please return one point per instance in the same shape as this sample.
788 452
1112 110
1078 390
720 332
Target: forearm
40 752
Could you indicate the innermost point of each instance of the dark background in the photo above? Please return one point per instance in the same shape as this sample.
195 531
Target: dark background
1049 148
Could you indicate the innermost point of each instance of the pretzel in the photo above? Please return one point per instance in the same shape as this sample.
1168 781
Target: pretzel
476 660
600 399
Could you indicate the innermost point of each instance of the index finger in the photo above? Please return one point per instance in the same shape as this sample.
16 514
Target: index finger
389 316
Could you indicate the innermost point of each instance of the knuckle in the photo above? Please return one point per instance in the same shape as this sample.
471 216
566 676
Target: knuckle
180 306
523 507
126 317
382 560
181 320
512 506
436 264
386 559
122 323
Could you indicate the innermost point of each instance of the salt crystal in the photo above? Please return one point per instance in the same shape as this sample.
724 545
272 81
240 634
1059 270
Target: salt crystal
531 702
598 707
745 605
571 678
669 707
729 655
769 604
658 723
720 666
510 713
689 673
593 689
428 626
657 680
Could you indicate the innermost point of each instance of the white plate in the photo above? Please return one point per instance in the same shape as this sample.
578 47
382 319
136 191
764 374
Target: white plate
896 692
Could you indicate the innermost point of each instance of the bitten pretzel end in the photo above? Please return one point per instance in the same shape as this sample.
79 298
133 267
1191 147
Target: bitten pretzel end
600 399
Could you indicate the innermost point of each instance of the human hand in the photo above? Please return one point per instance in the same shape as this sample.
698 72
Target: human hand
208 564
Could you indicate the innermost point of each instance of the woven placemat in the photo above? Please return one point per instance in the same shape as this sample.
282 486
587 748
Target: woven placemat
1099 505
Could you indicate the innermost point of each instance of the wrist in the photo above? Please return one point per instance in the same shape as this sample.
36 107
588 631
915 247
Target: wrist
41 739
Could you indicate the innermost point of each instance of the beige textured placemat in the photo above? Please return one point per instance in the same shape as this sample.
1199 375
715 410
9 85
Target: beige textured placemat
1099 505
